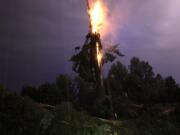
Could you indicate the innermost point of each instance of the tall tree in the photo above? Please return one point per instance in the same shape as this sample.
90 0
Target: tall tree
116 77
141 79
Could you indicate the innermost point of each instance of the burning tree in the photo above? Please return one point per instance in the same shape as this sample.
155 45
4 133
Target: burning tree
89 60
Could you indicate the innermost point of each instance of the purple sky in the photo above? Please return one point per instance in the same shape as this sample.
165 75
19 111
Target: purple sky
37 37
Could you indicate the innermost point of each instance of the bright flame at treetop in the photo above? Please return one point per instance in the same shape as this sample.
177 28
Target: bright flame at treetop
97 15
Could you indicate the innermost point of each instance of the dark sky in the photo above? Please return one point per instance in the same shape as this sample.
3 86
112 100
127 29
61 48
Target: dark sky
37 37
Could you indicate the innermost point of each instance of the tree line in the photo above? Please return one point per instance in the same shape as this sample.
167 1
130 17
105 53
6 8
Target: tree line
135 84
148 102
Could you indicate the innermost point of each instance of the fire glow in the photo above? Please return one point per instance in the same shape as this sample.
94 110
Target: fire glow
99 54
97 15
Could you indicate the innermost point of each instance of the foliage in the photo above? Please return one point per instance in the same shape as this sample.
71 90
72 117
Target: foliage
53 94
82 62
65 86
116 77
140 84
68 121
147 102
86 94
19 116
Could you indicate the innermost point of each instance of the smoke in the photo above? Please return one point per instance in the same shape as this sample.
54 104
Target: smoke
117 17
148 29
118 12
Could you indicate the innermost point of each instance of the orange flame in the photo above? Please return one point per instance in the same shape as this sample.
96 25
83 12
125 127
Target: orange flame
99 55
97 14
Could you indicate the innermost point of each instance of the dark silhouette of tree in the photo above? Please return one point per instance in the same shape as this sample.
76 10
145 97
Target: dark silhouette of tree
30 92
85 93
136 91
3 92
142 69
171 89
19 116
140 82
134 87
66 87
49 94
46 93
116 79
82 60
86 65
